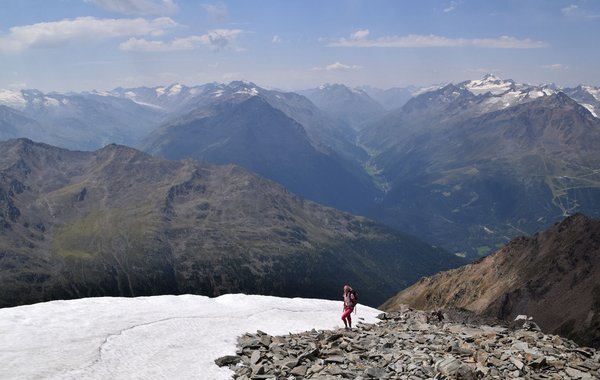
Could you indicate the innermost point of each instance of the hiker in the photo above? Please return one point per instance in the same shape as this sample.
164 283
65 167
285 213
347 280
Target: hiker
349 304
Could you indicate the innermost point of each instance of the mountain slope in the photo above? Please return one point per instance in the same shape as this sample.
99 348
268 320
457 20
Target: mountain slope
84 121
120 222
14 124
587 96
553 276
349 105
391 98
243 127
469 182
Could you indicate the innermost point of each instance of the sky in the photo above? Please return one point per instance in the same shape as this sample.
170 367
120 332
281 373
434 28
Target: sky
81 45
161 337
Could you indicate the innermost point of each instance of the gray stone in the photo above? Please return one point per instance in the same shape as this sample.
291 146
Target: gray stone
466 372
299 371
265 340
315 368
255 357
519 364
334 359
258 369
289 363
577 374
375 372
333 369
448 366
538 363
227 360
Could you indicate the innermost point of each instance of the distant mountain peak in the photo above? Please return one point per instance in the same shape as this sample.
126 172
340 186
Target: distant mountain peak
172 90
237 88
341 87
490 83
489 77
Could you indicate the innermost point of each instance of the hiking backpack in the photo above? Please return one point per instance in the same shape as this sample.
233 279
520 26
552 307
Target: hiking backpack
354 295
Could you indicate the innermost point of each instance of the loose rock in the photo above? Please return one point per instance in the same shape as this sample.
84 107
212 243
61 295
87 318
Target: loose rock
411 344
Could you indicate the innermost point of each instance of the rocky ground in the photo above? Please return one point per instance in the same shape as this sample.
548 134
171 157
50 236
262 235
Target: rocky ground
412 344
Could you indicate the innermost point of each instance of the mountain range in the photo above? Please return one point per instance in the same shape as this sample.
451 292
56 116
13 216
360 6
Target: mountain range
352 106
553 277
83 121
464 166
120 222
469 169
281 136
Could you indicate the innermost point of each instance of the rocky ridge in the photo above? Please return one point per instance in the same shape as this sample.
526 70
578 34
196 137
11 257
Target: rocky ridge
411 344
118 222
553 276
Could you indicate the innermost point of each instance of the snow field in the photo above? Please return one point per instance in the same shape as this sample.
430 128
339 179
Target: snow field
162 337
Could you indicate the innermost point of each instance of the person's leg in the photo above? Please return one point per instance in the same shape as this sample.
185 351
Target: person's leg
346 317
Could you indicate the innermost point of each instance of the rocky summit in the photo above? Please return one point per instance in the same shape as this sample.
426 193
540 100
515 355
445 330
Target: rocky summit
412 344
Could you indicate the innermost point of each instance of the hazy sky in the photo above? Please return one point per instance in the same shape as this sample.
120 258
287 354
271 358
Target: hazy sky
79 45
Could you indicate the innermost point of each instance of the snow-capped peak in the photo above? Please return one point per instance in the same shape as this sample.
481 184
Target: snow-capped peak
174 89
341 87
252 91
489 77
14 99
100 93
243 88
490 83
594 91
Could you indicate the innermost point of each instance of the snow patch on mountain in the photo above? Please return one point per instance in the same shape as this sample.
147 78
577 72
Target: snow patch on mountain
174 90
594 91
590 108
424 90
13 99
248 91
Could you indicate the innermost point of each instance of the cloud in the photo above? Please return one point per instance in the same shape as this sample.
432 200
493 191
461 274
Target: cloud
215 39
360 34
555 66
359 39
570 9
137 7
574 11
43 34
453 5
217 11
276 39
338 67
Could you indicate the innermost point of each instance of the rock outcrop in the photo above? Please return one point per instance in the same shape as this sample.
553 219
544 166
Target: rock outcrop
411 344
553 276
